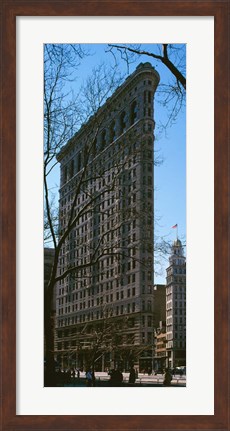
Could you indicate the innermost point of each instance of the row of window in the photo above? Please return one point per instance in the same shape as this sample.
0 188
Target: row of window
95 213
176 312
100 184
126 157
175 289
76 164
147 337
106 224
176 320
120 309
109 261
176 344
176 335
80 318
116 272
175 305
129 148
176 296
94 301
90 329
117 127
173 279
120 339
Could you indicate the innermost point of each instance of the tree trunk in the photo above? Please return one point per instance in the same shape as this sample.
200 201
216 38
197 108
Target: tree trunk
49 373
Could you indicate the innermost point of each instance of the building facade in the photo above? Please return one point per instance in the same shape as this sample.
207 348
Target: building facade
104 298
48 264
159 298
176 307
160 353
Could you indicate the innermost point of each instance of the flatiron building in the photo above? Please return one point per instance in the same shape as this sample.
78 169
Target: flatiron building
104 304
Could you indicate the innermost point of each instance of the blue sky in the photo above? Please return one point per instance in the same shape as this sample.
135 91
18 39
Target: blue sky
170 176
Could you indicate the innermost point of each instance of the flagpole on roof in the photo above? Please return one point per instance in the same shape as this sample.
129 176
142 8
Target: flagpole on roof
176 227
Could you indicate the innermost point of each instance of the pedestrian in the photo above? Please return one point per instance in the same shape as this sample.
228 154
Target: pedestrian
132 375
89 378
167 378
93 379
78 374
59 376
116 377
111 374
68 375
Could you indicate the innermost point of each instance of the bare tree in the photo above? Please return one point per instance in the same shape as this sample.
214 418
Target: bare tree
108 340
94 339
170 94
164 58
63 113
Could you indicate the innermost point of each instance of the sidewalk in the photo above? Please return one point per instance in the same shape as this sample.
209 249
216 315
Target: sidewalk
143 380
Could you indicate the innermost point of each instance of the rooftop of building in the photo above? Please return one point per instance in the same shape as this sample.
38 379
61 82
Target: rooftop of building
177 243
141 68
49 253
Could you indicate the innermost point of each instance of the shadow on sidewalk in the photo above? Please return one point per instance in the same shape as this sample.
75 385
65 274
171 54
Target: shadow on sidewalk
81 382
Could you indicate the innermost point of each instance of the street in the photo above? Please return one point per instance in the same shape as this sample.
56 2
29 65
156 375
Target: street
143 380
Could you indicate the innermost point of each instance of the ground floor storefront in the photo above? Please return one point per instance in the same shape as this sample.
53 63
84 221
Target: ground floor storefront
121 358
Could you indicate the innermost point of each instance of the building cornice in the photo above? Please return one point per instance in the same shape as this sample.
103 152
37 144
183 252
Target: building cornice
142 69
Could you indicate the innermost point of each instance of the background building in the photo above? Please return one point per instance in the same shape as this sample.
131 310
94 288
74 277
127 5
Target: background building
48 264
176 307
159 298
105 303
160 353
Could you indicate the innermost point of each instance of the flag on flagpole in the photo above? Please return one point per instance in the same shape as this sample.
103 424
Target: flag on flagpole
174 227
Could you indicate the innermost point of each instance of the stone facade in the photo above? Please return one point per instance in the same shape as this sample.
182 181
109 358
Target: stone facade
106 198
176 307
160 354
159 298
48 264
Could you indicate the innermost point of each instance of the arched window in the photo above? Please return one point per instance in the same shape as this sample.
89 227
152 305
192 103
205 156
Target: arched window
103 139
133 113
65 175
149 97
94 148
71 168
79 162
112 131
86 153
122 122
